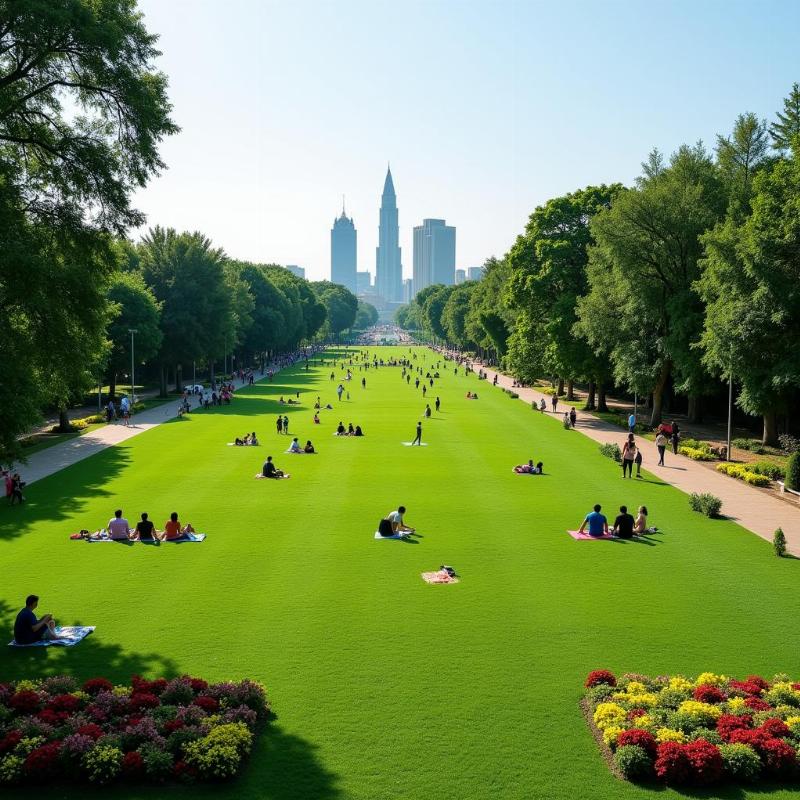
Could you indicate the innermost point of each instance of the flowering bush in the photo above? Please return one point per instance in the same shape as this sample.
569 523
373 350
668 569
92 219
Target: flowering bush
181 729
699 732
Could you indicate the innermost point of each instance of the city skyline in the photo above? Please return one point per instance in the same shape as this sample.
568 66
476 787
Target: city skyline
344 251
388 254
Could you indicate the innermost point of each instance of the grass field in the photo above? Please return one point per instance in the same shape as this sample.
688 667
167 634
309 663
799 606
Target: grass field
383 686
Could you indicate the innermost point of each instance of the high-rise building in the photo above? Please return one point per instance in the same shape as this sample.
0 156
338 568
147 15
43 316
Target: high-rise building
295 270
388 264
343 251
363 282
408 290
461 275
475 273
434 254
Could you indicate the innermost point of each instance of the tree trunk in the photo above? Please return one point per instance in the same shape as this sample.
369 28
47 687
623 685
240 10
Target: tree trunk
162 384
695 411
658 394
590 406
63 420
570 390
601 397
112 384
770 436
560 389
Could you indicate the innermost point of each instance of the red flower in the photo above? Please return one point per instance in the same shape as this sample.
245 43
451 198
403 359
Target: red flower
97 685
728 723
24 701
90 729
755 738
132 763
796 687
64 702
757 704
10 741
705 761
634 713
643 739
173 725
141 700
709 694
198 684
746 687
775 728
758 681
778 756
599 676
43 761
208 704
672 765
52 717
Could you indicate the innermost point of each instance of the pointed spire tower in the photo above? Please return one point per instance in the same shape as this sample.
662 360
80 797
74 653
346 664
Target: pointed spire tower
388 263
344 249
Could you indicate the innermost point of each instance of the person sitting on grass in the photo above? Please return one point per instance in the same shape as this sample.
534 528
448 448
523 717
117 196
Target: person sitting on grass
173 529
316 418
640 526
351 431
28 629
118 528
294 447
253 440
623 524
598 524
145 530
393 524
269 470
340 431
358 432
309 448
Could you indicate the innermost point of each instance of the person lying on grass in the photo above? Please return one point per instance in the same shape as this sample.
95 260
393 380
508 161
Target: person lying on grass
529 468
249 439
173 529
269 470
598 524
28 629
393 524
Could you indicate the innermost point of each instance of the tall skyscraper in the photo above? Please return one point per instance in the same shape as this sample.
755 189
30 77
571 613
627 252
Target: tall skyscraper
343 251
475 273
408 290
388 264
434 254
461 275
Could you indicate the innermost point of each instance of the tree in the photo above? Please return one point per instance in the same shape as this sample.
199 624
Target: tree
406 317
787 126
490 320
270 310
340 304
647 314
740 156
432 307
366 316
454 314
751 285
186 274
135 307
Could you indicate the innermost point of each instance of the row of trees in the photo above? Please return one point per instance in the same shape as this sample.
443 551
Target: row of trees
83 111
674 284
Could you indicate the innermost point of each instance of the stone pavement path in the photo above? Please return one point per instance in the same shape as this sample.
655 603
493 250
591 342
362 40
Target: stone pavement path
751 508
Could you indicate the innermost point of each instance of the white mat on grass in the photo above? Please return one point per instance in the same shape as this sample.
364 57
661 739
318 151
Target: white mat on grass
393 536
412 444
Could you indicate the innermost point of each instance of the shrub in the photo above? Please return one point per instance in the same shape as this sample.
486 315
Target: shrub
11 769
212 761
671 765
728 723
696 444
42 763
793 472
103 763
779 757
779 543
157 763
96 685
512 395
633 762
740 762
789 444
600 676
696 454
640 738
774 471
705 503
705 761
753 445
611 450
708 694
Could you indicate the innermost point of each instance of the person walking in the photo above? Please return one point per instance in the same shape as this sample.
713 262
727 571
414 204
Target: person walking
438 403
340 391
628 456
661 446
573 416
676 433
632 423
638 462
286 424
554 402
418 437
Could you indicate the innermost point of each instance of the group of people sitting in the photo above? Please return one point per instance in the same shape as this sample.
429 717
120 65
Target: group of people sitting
472 395
119 530
249 439
295 447
625 526
529 468
290 402
349 431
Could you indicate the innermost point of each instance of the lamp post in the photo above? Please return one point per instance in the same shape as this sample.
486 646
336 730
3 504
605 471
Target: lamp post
730 411
132 331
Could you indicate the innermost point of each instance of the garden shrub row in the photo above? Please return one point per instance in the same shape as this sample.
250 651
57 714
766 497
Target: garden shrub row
742 472
701 452
55 731
611 450
705 503
697 731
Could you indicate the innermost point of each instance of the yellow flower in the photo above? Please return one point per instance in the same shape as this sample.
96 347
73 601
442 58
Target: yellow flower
793 723
608 714
669 735
647 700
636 687
736 704
700 711
620 697
680 683
711 679
121 691
611 733
81 695
27 686
644 722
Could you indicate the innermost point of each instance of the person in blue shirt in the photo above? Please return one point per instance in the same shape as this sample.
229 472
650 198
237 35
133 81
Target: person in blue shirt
28 629
632 423
598 524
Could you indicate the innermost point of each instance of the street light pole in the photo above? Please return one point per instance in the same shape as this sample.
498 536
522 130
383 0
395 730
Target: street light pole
132 331
730 410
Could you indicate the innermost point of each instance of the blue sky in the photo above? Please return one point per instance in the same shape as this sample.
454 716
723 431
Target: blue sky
484 109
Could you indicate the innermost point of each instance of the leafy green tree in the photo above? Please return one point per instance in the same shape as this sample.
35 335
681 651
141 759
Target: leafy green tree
740 156
490 320
135 307
366 316
340 304
432 307
454 314
295 328
270 310
751 285
187 276
787 125
406 317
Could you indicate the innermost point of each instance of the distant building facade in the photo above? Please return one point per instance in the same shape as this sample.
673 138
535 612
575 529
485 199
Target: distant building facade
434 254
408 290
344 239
388 262
461 276
295 270
363 282
475 273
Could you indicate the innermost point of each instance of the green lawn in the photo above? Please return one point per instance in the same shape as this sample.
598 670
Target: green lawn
385 687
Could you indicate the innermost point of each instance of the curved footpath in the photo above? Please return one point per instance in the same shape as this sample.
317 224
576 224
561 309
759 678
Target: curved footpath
749 507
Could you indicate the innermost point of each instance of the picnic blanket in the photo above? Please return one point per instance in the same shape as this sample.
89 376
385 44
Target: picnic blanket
583 536
74 634
187 537
233 444
261 475
393 536
411 444
440 576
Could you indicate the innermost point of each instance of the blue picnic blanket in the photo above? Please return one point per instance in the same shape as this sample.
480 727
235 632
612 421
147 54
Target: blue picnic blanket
73 634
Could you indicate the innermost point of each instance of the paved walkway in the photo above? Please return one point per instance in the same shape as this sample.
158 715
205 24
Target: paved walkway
753 509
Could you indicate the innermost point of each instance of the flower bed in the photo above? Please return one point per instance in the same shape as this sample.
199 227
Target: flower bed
703 731
741 472
54 730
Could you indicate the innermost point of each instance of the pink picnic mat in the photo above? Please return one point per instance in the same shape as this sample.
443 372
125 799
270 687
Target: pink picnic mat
579 535
440 576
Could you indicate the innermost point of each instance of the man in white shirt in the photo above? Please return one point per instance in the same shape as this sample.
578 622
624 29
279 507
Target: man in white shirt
396 520
118 527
